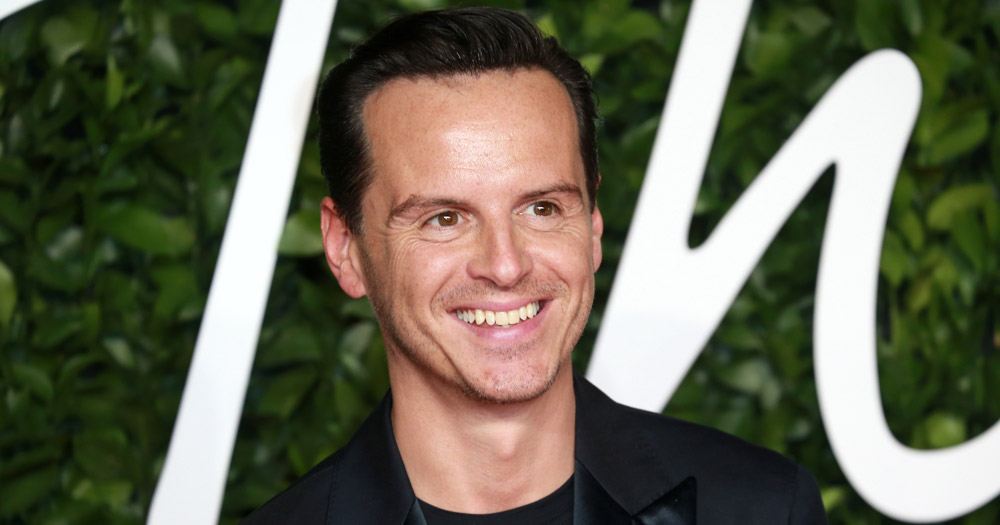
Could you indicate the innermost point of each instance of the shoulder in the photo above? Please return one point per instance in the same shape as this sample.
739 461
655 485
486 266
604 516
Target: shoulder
737 481
305 501
709 453
363 482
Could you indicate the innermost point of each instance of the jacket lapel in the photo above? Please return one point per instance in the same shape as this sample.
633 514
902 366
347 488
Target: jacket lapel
592 505
371 485
618 466
676 507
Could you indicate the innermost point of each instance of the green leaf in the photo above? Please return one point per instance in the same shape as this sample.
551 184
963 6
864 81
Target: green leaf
257 17
912 229
741 336
21 493
767 53
14 211
933 58
810 20
6 236
15 38
284 393
635 26
354 344
422 5
913 17
114 494
872 21
178 290
295 343
970 237
964 137
165 58
954 201
991 217
302 236
747 376
347 402
945 274
358 308
66 276
34 378
833 496
8 295
770 394
217 20
895 263
598 15
944 429
919 294
13 171
547 25
53 328
114 84
99 454
65 37
357 338
145 229
75 365
120 351
592 62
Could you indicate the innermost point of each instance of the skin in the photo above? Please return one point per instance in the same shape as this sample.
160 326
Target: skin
478 201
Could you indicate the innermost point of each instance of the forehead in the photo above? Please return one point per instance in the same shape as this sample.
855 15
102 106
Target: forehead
433 133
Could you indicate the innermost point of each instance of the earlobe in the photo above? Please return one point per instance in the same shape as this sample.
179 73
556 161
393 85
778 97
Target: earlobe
340 247
597 230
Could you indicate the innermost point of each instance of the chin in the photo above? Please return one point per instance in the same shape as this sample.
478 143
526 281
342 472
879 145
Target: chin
507 387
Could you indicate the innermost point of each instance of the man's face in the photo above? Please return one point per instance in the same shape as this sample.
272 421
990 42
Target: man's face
478 211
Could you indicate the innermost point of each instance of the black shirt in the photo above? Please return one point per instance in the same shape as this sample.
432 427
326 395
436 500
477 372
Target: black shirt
554 509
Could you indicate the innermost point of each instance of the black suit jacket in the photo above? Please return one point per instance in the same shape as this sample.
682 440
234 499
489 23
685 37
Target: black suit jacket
632 466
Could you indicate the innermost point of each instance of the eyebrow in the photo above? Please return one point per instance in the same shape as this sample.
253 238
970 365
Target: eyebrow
417 201
562 187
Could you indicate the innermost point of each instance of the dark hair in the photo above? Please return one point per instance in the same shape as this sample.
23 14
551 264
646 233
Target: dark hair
435 44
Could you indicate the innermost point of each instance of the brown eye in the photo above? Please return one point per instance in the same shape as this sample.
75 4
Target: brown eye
448 218
543 209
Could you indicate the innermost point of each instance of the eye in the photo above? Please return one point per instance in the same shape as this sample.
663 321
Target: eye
445 219
542 208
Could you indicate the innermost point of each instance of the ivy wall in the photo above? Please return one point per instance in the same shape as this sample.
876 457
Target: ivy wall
122 128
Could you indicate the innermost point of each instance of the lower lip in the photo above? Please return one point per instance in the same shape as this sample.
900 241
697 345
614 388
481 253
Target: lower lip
510 332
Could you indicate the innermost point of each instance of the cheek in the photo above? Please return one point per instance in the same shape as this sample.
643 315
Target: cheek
570 247
421 267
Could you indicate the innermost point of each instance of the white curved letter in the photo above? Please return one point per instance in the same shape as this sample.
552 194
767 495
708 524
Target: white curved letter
194 474
648 341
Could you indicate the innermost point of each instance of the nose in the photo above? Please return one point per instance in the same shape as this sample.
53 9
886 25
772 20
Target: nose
501 256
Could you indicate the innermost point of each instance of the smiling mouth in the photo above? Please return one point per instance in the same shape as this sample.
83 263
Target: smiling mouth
500 319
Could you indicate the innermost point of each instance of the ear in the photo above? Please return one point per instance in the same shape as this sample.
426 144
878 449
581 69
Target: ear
341 250
597 230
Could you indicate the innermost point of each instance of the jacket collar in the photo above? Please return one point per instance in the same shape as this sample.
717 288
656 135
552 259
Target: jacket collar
619 476
619 465
370 484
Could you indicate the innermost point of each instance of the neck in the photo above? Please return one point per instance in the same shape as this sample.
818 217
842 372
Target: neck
466 455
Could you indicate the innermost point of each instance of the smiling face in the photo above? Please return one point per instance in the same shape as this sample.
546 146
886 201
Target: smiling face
479 244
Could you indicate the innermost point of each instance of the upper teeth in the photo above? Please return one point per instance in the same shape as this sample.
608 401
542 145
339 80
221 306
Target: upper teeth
492 318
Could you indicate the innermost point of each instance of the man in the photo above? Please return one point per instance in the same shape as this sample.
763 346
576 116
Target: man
460 152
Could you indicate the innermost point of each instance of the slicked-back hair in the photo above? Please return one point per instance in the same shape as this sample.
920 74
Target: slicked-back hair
436 44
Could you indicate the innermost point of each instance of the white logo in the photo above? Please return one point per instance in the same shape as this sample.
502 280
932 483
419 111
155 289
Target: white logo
648 340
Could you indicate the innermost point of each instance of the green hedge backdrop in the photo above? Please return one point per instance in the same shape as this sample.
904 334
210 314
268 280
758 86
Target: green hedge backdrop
122 128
